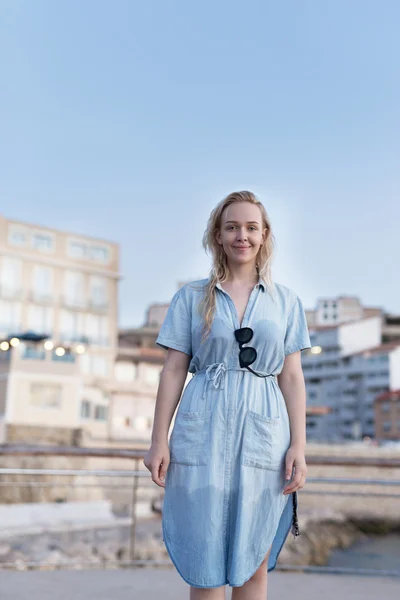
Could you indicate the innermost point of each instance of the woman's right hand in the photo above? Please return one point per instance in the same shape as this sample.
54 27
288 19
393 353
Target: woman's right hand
156 460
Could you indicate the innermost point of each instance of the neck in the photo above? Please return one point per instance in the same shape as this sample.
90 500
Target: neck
242 274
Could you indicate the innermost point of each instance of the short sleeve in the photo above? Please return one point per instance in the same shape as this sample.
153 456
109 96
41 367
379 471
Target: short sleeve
175 331
297 336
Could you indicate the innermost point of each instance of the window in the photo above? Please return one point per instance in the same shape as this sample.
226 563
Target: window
99 254
10 277
42 282
100 412
40 319
44 242
74 288
385 406
86 409
387 426
98 291
152 375
10 317
77 249
125 371
72 326
141 423
84 361
99 366
94 365
97 329
17 235
45 395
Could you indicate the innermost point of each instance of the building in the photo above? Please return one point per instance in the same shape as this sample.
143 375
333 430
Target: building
339 309
387 415
347 367
60 289
133 392
136 377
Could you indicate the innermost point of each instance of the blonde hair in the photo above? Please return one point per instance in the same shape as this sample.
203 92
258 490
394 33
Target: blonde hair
220 271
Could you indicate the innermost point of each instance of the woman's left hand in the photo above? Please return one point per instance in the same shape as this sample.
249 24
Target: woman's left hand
295 457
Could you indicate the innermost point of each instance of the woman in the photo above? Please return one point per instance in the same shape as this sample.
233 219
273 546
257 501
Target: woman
239 431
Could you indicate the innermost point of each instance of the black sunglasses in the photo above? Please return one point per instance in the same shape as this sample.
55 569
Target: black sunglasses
248 355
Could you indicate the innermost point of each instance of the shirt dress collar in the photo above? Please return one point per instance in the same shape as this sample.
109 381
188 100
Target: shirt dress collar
260 284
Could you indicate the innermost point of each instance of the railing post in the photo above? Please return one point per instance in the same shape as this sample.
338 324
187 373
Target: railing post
133 512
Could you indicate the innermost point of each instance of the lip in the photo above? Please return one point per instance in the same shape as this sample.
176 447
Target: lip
242 247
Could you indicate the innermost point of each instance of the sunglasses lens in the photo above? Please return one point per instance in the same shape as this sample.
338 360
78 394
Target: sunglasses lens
247 356
244 335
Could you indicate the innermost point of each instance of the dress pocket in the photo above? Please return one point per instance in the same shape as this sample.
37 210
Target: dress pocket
262 447
189 438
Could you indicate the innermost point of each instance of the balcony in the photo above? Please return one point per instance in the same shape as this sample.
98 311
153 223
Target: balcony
68 338
7 329
100 306
34 359
42 297
65 358
9 293
32 353
74 303
99 341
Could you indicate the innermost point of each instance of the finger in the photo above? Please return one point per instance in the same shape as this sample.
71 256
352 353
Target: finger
292 485
296 485
163 472
300 485
289 469
155 475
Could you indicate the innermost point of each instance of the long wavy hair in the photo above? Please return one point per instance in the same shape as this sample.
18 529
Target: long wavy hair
219 270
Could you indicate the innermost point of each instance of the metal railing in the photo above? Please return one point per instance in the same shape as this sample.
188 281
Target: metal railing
133 486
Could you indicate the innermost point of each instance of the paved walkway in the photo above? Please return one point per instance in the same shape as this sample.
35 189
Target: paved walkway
149 584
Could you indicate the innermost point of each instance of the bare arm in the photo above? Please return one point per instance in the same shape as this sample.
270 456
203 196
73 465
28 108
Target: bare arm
292 385
172 380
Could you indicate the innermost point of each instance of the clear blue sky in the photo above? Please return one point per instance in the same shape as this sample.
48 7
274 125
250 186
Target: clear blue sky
131 120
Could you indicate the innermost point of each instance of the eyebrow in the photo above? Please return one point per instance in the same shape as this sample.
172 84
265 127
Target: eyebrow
256 222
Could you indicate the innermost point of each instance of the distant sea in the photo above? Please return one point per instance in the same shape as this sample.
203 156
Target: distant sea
378 552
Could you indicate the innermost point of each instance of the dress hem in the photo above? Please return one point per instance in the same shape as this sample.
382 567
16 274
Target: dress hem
192 583
263 553
226 582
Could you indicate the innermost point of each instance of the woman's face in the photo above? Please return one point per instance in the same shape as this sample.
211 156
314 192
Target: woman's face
241 233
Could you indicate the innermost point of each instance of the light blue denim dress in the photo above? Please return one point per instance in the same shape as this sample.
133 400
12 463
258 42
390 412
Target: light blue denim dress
223 501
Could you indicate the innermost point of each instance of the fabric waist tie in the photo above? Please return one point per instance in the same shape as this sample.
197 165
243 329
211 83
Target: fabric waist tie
216 373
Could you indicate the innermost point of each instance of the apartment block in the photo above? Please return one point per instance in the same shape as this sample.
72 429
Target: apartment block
333 311
58 328
387 415
347 367
133 391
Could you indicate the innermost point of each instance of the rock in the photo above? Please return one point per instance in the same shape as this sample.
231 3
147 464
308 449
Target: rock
5 549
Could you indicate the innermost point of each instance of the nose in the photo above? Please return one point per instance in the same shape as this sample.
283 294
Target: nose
241 235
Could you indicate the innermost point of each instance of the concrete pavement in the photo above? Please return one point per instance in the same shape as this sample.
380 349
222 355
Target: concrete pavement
150 583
